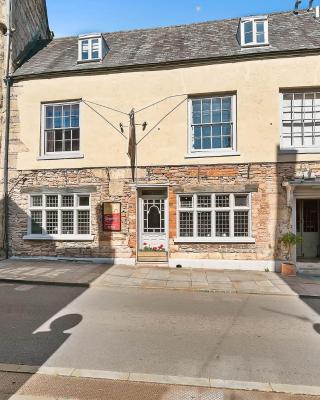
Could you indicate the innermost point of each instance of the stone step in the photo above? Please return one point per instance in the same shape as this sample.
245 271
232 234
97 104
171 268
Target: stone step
152 264
309 271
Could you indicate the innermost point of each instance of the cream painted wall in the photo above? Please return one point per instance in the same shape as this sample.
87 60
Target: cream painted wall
256 83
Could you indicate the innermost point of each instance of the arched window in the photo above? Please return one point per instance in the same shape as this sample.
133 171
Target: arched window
154 218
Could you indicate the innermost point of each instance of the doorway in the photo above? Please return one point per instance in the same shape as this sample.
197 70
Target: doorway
308 222
153 225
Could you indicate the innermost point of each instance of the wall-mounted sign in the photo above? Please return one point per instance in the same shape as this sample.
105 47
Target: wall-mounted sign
111 216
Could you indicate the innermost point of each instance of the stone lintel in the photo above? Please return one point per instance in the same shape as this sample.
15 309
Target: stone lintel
57 190
216 188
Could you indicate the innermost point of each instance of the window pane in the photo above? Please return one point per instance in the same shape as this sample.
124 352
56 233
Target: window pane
67 201
58 117
66 116
197 137
58 145
248 27
49 123
241 200
36 201
204 224
260 27
186 201
186 224
83 201
223 223
50 141
241 223
83 222
52 222
51 201
36 222
75 145
196 111
216 143
204 201
95 48
206 111
85 50
226 103
216 104
260 38
222 200
67 222
154 218
67 145
248 38
49 111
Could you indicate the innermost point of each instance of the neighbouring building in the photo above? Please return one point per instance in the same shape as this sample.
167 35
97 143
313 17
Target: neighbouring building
227 124
27 22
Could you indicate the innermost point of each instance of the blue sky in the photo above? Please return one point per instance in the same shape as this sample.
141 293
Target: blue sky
72 17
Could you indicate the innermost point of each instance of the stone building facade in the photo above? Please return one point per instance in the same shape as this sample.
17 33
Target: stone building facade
191 204
30 32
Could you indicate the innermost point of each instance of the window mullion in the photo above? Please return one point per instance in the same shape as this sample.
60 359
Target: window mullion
195 218
231 215
75 215
59 214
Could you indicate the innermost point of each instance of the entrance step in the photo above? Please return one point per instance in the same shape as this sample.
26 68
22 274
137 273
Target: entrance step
152 256
310 269
151 264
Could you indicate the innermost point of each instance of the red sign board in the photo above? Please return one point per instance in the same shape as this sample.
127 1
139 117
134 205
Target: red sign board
111 217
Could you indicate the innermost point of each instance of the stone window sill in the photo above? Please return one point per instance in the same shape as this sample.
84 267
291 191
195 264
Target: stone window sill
215 240
59 156
200 154
307 150
62 238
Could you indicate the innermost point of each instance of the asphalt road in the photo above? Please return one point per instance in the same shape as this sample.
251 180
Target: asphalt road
222 336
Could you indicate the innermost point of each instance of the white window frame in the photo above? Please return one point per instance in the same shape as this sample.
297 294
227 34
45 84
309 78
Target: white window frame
44 155
295 149
193 153
89 38
43 208
254 21
213 209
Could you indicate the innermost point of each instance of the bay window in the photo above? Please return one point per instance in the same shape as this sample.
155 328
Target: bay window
214 217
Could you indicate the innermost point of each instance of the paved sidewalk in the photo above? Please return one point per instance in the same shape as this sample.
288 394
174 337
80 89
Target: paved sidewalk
41 387
226 281
103 275
51 272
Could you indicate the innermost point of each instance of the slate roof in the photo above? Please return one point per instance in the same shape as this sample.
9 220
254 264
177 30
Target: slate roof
213 39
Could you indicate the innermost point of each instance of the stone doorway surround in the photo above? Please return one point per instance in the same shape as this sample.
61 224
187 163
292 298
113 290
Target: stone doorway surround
301 189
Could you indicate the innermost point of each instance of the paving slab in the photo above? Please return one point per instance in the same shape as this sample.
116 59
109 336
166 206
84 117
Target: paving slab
103 275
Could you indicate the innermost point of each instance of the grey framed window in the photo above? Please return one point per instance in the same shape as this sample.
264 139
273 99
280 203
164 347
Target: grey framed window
300 120
60 215
61 131
212 124
214 216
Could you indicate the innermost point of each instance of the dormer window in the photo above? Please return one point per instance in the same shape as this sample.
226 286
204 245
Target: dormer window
91 48
254 31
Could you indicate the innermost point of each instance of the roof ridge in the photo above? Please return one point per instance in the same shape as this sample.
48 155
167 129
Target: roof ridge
183 25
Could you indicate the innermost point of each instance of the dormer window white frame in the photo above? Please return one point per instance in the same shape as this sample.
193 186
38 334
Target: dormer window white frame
91 48
254 31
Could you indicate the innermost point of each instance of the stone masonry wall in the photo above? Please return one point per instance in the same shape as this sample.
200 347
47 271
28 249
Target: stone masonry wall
270 214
